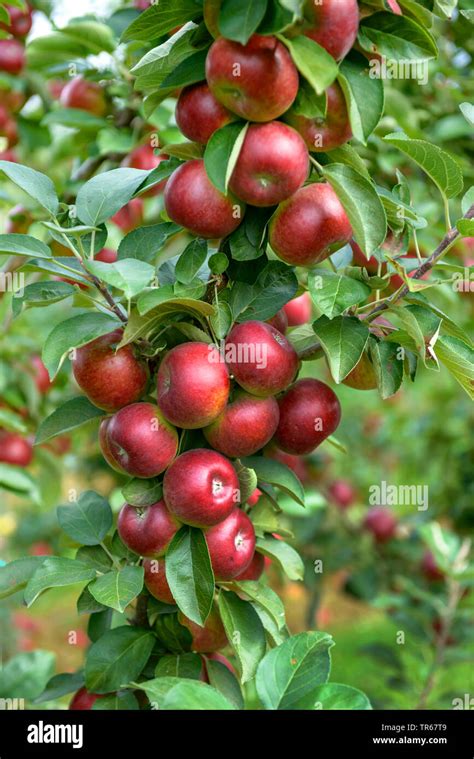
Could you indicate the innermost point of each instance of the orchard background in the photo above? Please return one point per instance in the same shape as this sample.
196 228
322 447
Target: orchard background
290 183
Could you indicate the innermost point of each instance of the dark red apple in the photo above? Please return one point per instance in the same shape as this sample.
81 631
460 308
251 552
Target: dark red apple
279 321
254 570
261 359
8 155
309 413
254 498
15 449
137 440
362 376
193 385
12 56
299 310
41 376
192 201
20 21
199 114
130 216
110 378
430 568
309 226
231 545
381 523
245 426
107 256
83 700
333 24
324 134
359 259
156 582
209 638
147 531
257 81
342 493
144 157
85 95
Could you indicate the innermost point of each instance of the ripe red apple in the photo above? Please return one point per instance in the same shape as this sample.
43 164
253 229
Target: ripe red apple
324 134
8 155
430 568
40 548
342 493
192 201
257 81
199 114
20 21
12 56
254 570
381 523
333 24
156 582
147 531
231 545
299 310
110 378
83 700
309 413
15 449
273 163
19 220
193 385
201 487
137 440
106 255
362 376
245 426
41 376
309 226
279 321
261 359
254 498
209 638
359 259
130 216
85 95
144 157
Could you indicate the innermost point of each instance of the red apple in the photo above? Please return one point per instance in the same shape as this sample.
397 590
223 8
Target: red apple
15 449
254 570
201 487
156 582
324 134
40 548
254 498
199 114
106 255
309 226
299 310
342 493
83 700
209 638
138 441
279 321
193 385
273 163
309 413
257 81
12 56
359 259
147 531
245 426
41 376
192 201
144 157
19 220
430 568
20 21
362 376
85 95
110 378
130 216
333 24
261 359
381 523
231 545
8 155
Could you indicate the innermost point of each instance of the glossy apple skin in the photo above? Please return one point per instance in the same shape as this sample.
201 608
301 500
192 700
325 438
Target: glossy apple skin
309 226
264 362
144 157
193 385
381 523
20 21
266 83
12 56
273 163
209 638
199 114
130 216
254 570
279 321
106 255
323 134
148 531
307 406
231 545
201 487
156 582
299 310
137 440
41 376
333 24
83 700
15 449
362 376
245 426
84 95
192 201
430 568
111 379
342 493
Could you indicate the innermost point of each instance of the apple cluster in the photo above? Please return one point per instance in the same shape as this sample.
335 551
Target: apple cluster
12 63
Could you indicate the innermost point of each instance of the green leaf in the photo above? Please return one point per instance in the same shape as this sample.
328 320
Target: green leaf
69 416
467 110
343 340
15 575
118 589
466 227
57 573
221 321
73 333
35 184
444 170
23 245
187 665
95 557
388 367
153 301
275 286
175 694
247 242
129 275
334 293
362 205
105 194
86 603
75 118
312 61
117 658
142 492
189 71
222 152
443 544
25 675
96 36
121 701
145 243
244 631
12 478
364 95
277 474
289 675
286 556
60 685
162 172
154 67
336 696
225 682
458 358
239 19
88 519
41 294
155 21
264 597
247 480
397 38
191 260
189 574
